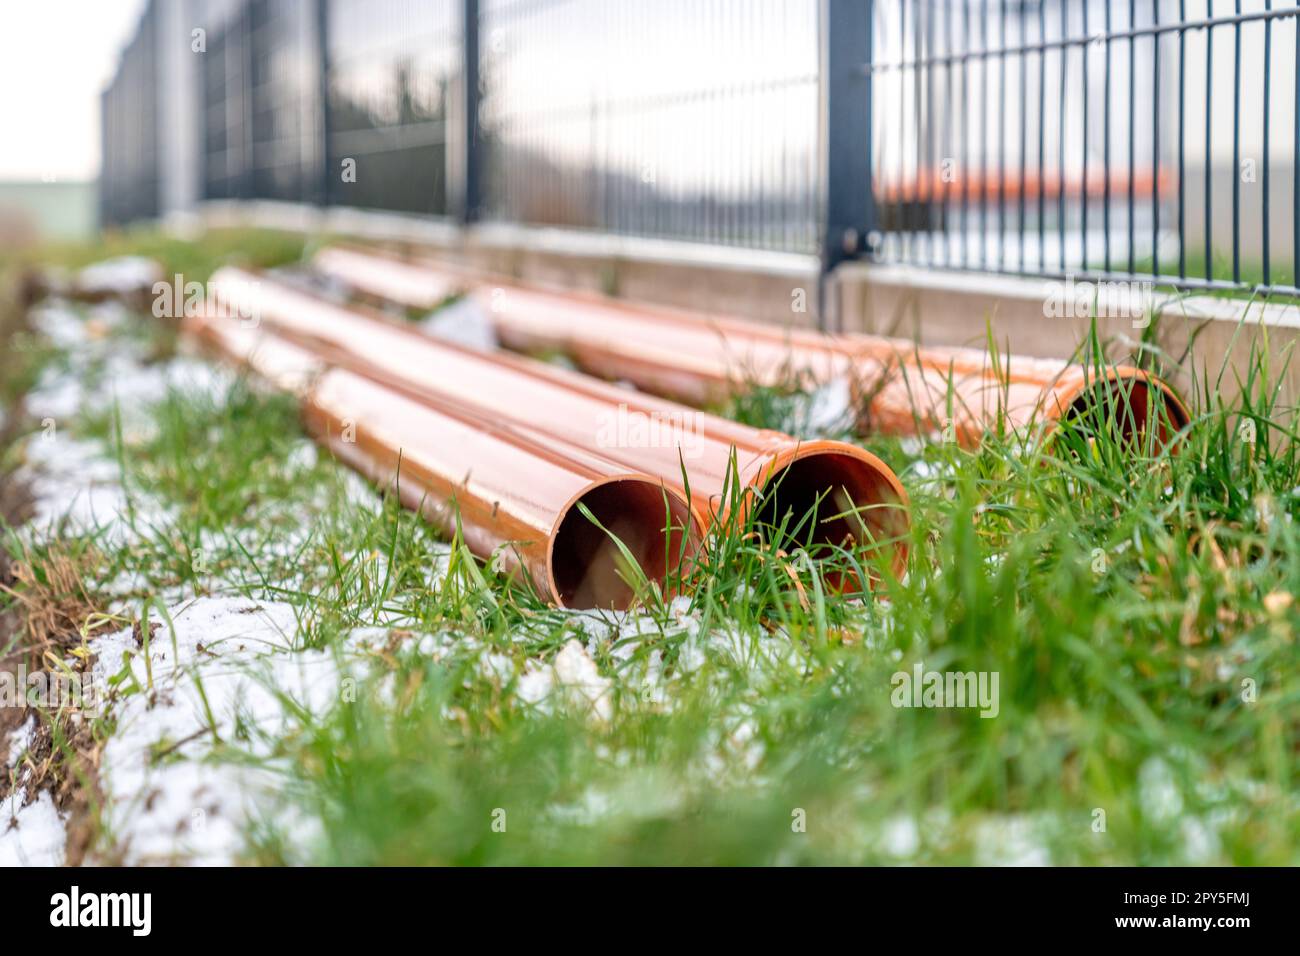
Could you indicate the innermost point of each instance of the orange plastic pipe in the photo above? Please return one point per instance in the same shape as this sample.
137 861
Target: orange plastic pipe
899 388
898 384
934 185
447 455
390 279
643 433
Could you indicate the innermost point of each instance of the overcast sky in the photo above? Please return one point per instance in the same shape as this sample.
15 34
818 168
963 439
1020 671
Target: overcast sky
55 58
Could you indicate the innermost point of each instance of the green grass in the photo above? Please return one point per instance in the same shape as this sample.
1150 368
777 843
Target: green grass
196 258
1109 679
1249 275
1136 604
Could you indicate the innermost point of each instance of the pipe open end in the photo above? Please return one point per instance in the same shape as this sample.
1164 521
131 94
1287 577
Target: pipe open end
657 526
1129 402
859 501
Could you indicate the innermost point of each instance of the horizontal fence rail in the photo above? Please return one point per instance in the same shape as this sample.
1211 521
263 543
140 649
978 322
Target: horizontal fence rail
1107 140
1122 140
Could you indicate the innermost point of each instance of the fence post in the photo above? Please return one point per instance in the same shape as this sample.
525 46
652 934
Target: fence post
327 171
848 212
464 146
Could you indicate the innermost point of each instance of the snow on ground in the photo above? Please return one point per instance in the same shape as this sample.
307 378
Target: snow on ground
462 322
193 718
829 408
571 678
71 481
74 480
33 835
102 371
184 770
217 686
175 787
120 276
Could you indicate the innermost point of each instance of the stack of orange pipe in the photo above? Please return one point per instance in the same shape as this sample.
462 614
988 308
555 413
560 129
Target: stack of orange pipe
550 412
899 388
439 454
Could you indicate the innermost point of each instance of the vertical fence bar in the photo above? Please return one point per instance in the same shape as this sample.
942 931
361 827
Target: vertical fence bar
1132 136
1002 137
464 150
1182 142
1236 150
1024 135
1042 136
927 76
1268 62
918 79
1155 142
965 138
950 110
326 183
1209 135
244 20
1060 139
849 212
1105 151
1083 190
984 136
903 242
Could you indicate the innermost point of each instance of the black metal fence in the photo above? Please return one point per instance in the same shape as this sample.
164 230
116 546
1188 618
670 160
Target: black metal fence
1101 139
391 70
684 119
681 119
260 100
129 181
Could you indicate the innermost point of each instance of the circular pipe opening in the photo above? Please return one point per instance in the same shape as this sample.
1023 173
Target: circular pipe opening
589 570
1126 404
857 498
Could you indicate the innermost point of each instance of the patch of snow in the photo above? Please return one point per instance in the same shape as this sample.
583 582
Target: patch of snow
225 675
462 322
829 409
1158 793
577 672
33 835
59 322
19 740
1200 842
901 837
1010 841
119 276
124 381
77 478
571 678
314 283
626 631
73 480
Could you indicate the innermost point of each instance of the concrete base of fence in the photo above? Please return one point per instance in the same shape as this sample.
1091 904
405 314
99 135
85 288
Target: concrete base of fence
1038 317
1205 338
